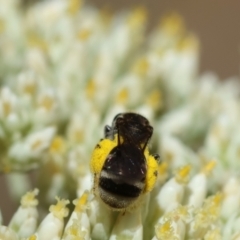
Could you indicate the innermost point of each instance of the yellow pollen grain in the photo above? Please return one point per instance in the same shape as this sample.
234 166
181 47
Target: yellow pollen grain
74 230
182 175
74 6
151 177
138 17
165 230
29 199
172 24
209 167
59 210
155 99
122 96
217 199
210 210
58 145
100 153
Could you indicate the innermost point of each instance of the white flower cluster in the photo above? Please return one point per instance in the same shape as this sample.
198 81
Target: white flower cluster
66 69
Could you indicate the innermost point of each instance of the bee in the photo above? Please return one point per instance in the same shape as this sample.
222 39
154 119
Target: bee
123 168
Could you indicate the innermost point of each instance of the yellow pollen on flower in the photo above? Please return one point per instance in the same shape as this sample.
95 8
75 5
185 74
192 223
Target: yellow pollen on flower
33 237
47 102
181 212
141 67
83 34
207 169
165 231
172 24
122 96
75 232
81 203
58 145
60 210
74 6
90 88
138 17
217 199
29 199
154 99
7 108
210 211
182 174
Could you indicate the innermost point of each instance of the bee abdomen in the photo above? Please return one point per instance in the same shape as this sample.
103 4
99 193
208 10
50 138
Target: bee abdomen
122 189
118 194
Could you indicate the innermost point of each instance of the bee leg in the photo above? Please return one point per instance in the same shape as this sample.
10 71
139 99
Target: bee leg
107 131
157 157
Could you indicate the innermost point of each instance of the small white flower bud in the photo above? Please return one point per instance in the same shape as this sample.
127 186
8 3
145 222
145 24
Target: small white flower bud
24 221
51 227
7 233
128 225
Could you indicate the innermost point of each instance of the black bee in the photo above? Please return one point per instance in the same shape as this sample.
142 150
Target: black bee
127 165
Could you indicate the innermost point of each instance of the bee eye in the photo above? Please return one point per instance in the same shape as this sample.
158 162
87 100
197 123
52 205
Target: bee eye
157 158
